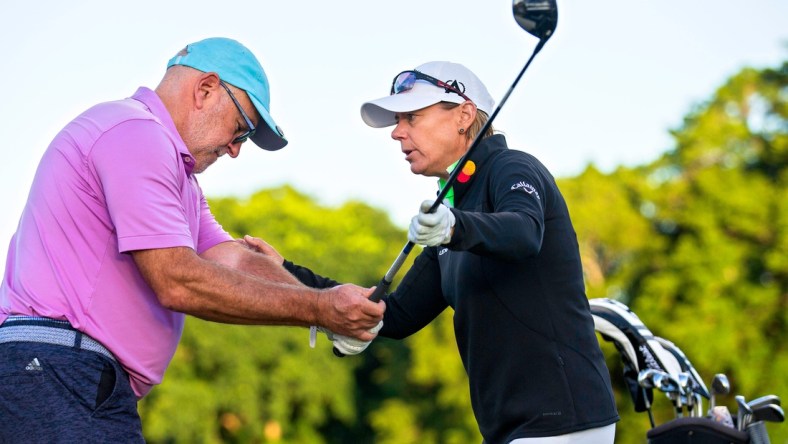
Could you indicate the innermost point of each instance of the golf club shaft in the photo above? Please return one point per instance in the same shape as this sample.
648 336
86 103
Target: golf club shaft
386 281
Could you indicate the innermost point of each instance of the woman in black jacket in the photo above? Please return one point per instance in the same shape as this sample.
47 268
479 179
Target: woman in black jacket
502 253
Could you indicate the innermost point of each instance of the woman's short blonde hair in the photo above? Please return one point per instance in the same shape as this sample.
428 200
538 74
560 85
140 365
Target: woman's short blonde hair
478 123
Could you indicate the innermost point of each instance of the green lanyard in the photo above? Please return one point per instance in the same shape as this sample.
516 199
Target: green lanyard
442 183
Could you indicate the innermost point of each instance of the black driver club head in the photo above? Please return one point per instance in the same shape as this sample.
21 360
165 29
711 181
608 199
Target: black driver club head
538 17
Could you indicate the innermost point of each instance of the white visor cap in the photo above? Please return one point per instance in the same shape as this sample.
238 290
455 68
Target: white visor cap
380 112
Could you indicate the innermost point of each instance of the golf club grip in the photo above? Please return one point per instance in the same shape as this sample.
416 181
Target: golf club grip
380 290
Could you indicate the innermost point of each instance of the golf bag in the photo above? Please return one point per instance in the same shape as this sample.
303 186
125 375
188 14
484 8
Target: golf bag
640 350
697 431
645 355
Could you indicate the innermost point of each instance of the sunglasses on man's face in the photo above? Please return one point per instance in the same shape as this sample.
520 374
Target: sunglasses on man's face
405 81
250 132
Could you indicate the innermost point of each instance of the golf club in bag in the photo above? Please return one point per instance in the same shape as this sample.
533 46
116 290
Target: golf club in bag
651 362
537 17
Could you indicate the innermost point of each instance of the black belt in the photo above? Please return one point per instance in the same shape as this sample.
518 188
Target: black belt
48 331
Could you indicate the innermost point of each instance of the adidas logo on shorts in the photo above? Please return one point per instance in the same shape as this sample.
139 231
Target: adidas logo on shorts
34 366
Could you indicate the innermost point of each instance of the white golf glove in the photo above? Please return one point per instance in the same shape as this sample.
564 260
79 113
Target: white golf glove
345 344
431 229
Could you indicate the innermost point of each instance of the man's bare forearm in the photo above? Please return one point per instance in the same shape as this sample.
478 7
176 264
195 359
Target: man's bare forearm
215 291
263 293
239 256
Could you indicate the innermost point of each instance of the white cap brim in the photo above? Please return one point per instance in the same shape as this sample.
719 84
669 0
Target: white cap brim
380 112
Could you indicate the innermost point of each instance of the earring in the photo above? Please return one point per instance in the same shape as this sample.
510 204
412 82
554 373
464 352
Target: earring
462 130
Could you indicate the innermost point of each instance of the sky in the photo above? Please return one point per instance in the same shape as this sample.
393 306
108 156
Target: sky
605 90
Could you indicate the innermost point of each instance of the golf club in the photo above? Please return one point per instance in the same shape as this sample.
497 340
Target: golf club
646 378
697 409
754 423
719 386
768 413
662 381
685 396
695 383
743 413
673 389
646 382
764 400
537 17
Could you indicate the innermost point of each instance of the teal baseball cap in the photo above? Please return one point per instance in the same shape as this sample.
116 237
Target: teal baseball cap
236 65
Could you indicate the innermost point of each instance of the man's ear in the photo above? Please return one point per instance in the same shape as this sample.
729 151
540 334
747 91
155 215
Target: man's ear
206 89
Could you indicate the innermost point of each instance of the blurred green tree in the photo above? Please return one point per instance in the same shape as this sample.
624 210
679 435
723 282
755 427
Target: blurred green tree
721 204
696 241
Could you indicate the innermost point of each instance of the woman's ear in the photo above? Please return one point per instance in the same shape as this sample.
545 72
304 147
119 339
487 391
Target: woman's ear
467 114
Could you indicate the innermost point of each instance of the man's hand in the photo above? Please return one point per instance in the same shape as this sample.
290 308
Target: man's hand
347 311
431 229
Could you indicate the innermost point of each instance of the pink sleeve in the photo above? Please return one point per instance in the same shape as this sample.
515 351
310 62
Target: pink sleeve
211 233
141 176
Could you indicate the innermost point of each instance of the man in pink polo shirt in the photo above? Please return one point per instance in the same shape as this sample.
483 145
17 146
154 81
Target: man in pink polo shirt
117 244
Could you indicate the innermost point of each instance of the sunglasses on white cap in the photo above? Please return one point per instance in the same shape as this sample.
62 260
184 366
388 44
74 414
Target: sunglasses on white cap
405 81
